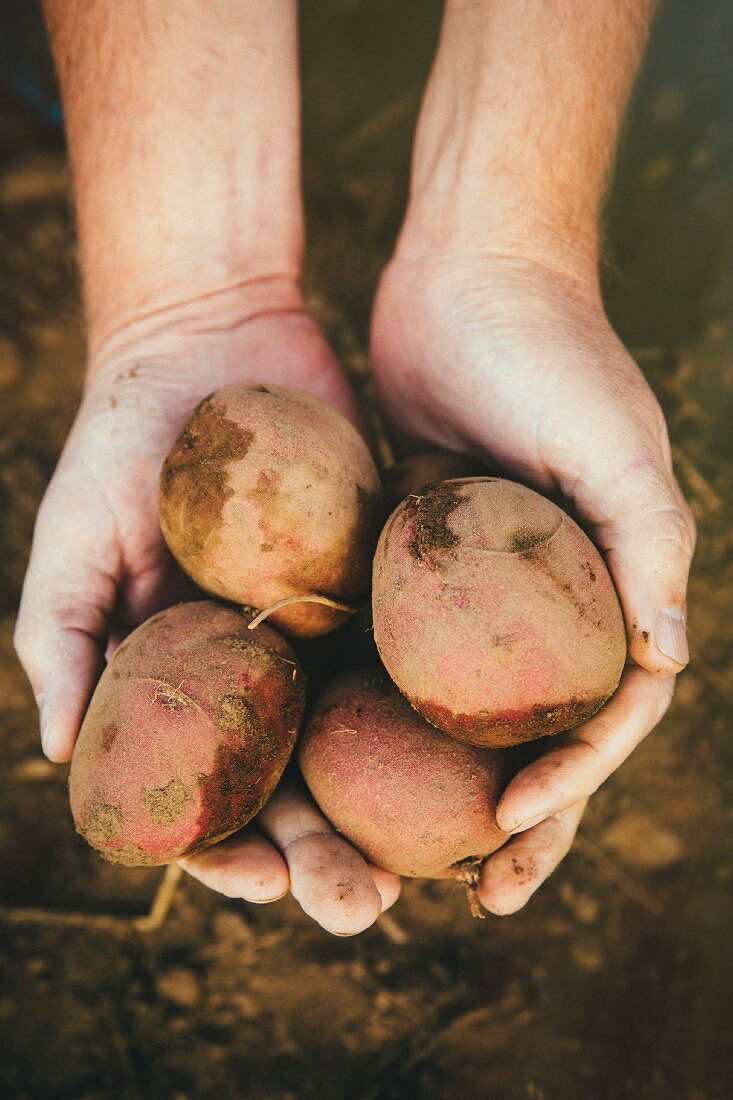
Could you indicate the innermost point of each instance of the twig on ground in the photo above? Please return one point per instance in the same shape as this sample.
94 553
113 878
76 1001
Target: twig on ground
164 898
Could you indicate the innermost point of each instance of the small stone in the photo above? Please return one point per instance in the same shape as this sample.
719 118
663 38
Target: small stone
587 956
639 842
179 986
34 769
668 104
658 171
246 1006
586 908
227 925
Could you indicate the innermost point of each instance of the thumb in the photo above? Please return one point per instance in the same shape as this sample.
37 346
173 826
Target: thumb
61 631
648 537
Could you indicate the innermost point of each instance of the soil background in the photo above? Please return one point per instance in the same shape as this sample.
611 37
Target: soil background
616 979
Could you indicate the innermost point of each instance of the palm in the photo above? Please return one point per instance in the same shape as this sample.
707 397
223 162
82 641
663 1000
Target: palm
501 348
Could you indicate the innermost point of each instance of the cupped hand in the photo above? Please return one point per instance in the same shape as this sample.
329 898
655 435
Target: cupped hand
517 363
99 566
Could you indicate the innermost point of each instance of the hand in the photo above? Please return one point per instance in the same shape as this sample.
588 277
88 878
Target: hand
99 566
515 361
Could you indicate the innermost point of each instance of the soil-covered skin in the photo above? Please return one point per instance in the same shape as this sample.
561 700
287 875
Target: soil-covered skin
314 505
187 735
212 440
615 981
429 512
494 613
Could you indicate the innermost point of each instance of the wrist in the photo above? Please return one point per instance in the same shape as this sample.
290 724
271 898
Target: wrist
470 196
160 362
468 225
175 251
193 322
518 127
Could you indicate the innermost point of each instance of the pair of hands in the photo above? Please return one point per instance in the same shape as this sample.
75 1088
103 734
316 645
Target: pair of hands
510 360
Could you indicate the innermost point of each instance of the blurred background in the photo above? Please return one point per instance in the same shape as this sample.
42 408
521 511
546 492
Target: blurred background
616 980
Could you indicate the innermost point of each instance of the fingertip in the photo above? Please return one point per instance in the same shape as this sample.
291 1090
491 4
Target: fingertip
501 906
59 725
63 665
662 648
332 883
57 750
245 866
512 875
505 886
266 883
388 884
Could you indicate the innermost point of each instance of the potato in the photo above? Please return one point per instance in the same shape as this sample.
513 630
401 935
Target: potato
186 736
267 494
415 471
494 613
411 799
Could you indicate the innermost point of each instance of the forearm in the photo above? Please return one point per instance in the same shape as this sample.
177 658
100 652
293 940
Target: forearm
521 119
183 131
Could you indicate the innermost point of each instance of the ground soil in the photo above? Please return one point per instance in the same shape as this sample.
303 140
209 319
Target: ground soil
614 981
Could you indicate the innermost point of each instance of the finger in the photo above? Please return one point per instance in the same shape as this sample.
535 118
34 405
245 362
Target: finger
648 536
61 630
328 877
247 866
388 884
577 762
510 876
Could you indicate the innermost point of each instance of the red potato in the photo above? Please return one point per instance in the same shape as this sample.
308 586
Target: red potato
411 799
494 613
268 494
186 736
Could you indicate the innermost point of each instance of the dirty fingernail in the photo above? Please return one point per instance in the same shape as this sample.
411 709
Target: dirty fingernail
670 635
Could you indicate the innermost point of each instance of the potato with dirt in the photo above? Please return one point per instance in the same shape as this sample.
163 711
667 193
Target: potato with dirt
270 494
415 471
186 736
494 613
413 800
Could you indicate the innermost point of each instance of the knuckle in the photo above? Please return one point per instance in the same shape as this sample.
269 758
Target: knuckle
673 531
691 523
667 523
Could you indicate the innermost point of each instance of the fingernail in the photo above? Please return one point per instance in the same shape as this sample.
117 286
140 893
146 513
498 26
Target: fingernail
43 719
267 901
531 822
670 635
